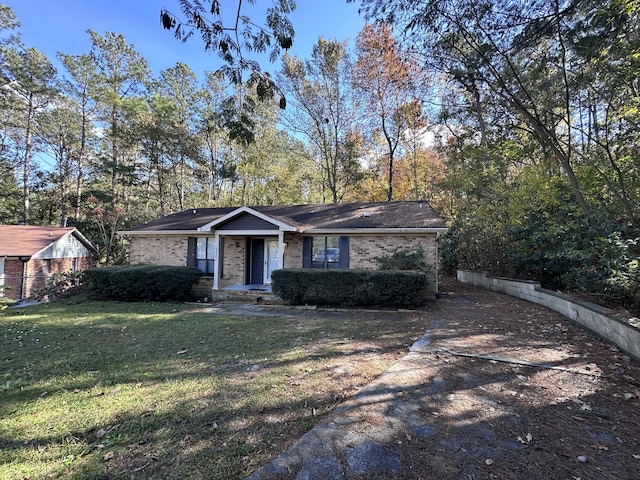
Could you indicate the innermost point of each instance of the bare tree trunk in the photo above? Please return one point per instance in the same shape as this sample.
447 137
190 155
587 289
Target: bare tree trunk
27 161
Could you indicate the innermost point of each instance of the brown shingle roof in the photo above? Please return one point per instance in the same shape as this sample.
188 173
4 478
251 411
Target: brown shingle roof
27 240
341 216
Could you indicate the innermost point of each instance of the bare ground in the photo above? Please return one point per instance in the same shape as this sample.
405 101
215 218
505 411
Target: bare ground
514 391
504 420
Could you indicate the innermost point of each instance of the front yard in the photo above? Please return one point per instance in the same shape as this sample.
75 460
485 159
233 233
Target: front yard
118 390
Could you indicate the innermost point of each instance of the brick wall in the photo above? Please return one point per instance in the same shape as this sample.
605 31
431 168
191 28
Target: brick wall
234 265
167 250
293 250
170 250
13 278
363 249
27 282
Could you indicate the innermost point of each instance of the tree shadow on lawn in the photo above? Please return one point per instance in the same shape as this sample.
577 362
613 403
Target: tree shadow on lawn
167 389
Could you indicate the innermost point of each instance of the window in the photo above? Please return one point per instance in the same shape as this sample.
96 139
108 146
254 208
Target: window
206 255
325 252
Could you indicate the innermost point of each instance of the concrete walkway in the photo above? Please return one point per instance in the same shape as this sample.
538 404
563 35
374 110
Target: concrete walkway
363 436
496 388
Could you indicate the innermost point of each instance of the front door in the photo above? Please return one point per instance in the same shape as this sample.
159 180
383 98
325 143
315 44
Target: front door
272 262
263 260
256 275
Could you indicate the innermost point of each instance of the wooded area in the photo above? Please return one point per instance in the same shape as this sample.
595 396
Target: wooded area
533 108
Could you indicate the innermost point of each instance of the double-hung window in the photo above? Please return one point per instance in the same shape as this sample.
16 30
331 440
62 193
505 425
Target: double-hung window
205 255
325 252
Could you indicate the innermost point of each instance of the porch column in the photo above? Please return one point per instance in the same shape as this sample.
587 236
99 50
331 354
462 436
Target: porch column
280 249
216 268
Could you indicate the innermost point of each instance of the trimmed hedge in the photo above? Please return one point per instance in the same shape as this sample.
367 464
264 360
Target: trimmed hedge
351 288
142 283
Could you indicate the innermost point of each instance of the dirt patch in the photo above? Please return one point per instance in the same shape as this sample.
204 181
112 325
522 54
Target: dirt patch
496 417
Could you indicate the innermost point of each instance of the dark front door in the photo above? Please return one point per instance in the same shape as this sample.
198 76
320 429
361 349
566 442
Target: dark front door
256 275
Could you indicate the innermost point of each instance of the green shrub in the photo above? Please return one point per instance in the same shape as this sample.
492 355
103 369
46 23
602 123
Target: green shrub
405 259
142 282
350 288
398 289
60 285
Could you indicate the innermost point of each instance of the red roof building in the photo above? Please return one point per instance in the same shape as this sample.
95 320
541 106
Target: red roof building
30 255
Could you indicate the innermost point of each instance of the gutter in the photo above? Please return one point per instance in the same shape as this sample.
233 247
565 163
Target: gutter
355 231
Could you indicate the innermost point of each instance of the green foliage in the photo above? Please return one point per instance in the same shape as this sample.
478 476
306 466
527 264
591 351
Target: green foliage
60 285
142 282
4 302
473 243
577 256
350 288
405 259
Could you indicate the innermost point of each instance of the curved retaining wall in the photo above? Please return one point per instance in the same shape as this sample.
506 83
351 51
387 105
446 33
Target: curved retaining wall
589 315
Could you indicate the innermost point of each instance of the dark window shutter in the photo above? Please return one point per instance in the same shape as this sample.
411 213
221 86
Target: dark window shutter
306 251
344 252
191 251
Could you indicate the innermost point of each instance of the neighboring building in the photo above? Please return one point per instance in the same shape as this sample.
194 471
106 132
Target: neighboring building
242 246
30 255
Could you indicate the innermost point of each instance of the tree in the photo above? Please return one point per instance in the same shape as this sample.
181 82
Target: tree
61 132
79 89
173 125
325 112
31 90
213 171
539 62
232 36
385 77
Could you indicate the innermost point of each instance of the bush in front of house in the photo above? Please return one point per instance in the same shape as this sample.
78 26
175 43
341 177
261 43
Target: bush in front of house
142 283
351 288
405 259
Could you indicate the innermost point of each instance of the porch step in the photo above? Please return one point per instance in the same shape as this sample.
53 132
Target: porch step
246 296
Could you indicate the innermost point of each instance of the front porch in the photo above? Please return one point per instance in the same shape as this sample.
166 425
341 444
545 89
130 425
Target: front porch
251 293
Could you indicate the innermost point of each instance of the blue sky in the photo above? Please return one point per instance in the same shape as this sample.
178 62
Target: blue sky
54 26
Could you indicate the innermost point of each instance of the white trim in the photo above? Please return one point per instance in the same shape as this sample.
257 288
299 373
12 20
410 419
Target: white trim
247 233
147 233
74 233
2 259
216 267
310 231
239 211
369 231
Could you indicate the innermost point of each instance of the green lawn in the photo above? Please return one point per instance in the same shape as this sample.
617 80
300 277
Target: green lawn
116 390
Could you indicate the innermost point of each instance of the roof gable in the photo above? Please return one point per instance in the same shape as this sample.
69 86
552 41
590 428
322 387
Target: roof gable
28 240
246 218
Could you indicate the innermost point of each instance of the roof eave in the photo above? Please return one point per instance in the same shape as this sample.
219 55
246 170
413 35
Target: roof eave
353 231
160 232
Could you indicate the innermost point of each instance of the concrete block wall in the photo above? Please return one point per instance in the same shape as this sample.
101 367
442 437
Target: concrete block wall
591 316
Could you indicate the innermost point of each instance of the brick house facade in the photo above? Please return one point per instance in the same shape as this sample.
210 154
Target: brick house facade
241 246
30 255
